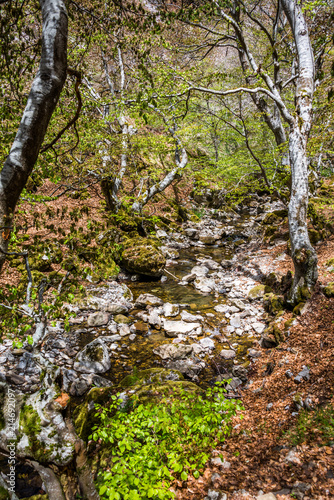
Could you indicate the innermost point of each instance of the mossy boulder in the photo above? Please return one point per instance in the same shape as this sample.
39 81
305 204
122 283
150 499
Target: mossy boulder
272 337
329 290
84 414
142 256
314 236
270 231
259 291
121 319
298 308
282 214
271 219
150 376
273 303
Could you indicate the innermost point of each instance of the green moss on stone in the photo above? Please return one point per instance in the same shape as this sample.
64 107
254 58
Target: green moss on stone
259 291
36 497
151 376
273 303
271 219
121 319
154 392
84 414
142 256
30 422
329 290
298 309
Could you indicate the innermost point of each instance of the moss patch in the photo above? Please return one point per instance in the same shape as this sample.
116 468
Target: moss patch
151 376
142 256
30 422
329 290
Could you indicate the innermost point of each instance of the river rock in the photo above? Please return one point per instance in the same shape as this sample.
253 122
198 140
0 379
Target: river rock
173 351
228 354
174 328
170 310
98 318
189 318
85 382
120 319
94 358
222 308
205 285
147 299
200 270
258 327
154 319
239 304
188 278
114 308
141 327
124 330
142 256
188 367
207 343
235 321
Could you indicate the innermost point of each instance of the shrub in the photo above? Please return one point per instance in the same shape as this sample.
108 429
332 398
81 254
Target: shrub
153 445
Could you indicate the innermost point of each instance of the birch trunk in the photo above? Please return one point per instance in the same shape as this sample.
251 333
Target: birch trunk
42 100
303 254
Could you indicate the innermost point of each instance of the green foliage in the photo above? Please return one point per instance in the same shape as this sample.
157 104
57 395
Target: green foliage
154 444
314 426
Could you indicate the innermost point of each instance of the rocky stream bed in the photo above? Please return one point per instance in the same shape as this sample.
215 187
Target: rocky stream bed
200 322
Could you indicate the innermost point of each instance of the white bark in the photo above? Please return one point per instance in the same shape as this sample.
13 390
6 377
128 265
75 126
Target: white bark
181 161
303 255
126 128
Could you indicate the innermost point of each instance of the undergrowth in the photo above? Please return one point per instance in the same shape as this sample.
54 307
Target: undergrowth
153 445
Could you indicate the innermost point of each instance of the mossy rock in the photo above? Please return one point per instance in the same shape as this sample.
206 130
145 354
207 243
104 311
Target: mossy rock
330 262
259 291
272 337
121 319
288 323
329 290
270 231
314 236
273 303
142 256
30 422
282 214
150 376
298 308
84 414
152 393
271 219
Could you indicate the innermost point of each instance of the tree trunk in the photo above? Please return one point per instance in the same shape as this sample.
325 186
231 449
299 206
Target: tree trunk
42 100
303 254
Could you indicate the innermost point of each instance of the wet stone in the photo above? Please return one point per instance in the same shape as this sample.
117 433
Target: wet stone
98 319
228 354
